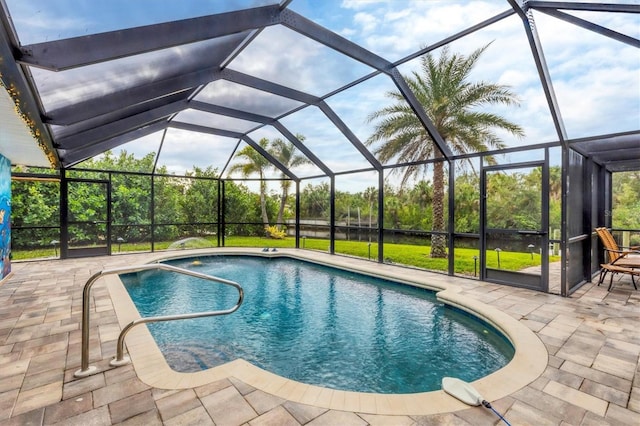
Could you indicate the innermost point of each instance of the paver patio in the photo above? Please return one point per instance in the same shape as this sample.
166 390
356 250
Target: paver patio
592 376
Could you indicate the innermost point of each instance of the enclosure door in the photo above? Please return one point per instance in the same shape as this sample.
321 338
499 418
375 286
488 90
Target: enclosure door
515 220
88 218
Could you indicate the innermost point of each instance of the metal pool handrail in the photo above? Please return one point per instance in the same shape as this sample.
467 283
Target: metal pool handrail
85 369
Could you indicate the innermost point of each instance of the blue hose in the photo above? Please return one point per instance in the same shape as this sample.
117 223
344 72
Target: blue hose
487 405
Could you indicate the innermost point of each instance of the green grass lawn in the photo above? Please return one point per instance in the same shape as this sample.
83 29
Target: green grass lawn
414 255
404 254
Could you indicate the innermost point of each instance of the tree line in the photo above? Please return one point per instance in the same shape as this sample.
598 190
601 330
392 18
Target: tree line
188 205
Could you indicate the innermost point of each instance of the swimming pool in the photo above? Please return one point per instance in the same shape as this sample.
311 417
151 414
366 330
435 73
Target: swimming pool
318 325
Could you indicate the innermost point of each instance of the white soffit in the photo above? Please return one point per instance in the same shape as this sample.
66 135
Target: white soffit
16 142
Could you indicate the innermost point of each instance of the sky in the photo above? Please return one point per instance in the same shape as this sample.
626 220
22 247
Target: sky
596 79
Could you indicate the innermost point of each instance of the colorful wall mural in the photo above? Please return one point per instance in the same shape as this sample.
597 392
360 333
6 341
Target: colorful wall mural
5 217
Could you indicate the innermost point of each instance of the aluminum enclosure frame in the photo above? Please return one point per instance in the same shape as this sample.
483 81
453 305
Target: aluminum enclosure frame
93 126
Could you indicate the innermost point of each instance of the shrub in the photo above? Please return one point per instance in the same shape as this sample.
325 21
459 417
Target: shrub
275 233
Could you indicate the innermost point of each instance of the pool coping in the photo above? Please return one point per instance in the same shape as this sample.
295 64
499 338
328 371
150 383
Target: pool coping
528 363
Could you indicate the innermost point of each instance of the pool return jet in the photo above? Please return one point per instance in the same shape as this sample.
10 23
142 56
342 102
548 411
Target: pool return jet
468 394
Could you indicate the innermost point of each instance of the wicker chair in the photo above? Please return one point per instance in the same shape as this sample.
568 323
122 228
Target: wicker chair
619 261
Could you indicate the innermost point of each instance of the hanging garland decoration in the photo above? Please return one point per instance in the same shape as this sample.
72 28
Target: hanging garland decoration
14 93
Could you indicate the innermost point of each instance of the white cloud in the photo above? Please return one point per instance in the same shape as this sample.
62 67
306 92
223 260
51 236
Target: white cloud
595 78
347 32
366 21
360 4
405 26
286 57
38 23
402 14
182 150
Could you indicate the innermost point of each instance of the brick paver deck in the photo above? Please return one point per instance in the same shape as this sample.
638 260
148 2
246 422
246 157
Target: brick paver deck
592 376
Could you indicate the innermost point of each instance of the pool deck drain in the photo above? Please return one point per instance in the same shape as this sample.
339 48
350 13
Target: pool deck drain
592 375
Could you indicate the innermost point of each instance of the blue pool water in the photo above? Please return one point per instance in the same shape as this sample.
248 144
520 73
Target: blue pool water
317 325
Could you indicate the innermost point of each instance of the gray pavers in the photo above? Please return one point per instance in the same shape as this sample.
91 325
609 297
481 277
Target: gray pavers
117 391
375 420
195 417
131 406
228 407
38 397
303 413
278 416
592 376
262 401
178 403
333 417
87 384
148 418
68 408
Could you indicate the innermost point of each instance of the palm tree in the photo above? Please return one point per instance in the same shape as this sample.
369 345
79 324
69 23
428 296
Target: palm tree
454 105
255 163
285 152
